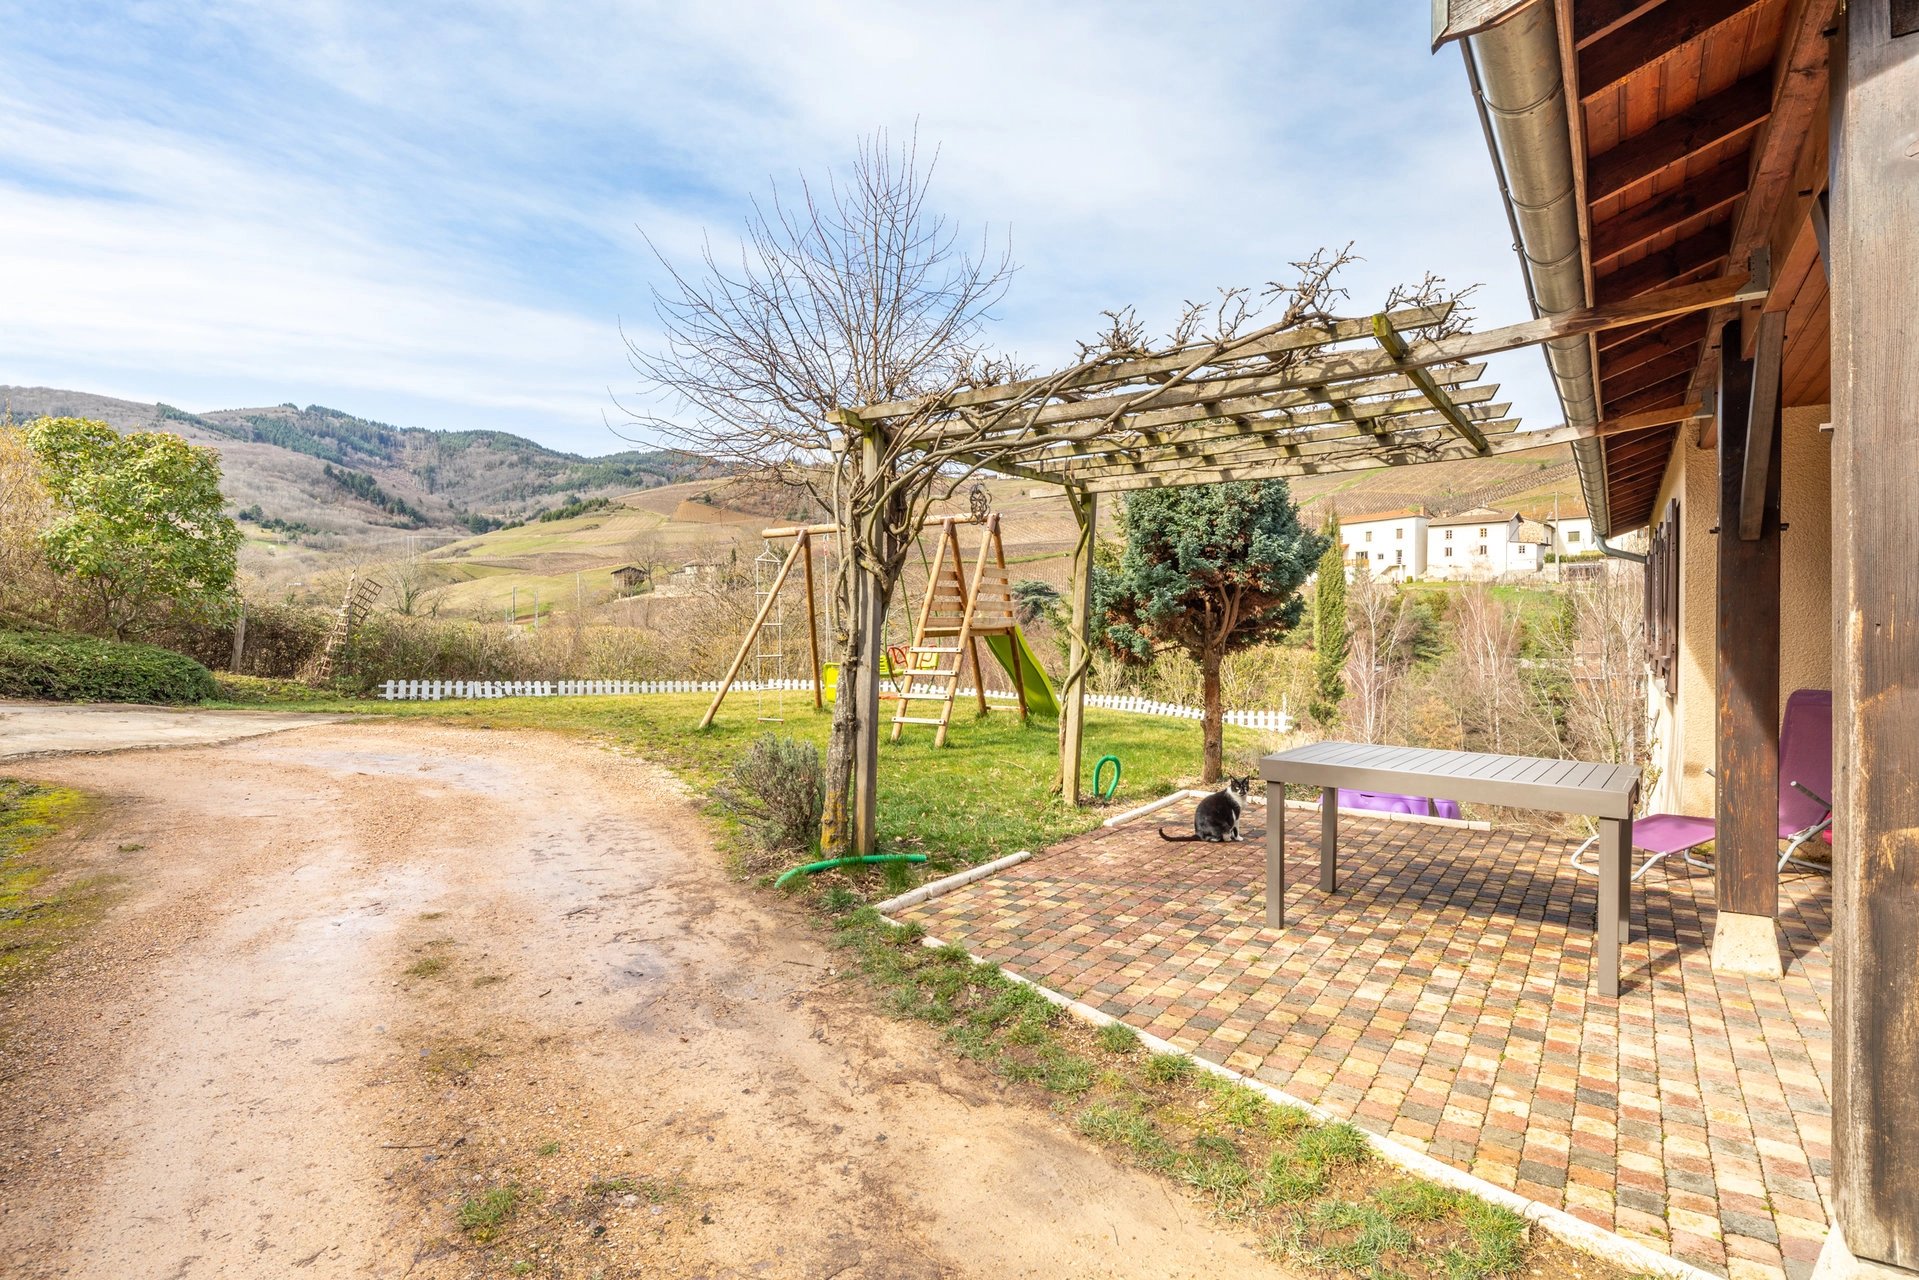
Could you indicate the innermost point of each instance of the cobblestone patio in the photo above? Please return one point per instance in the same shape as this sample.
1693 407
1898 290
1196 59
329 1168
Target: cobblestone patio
1442 996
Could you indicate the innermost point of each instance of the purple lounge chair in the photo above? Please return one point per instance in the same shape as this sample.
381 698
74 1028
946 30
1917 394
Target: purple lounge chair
1805 773
1805 776
1387 802
1661 835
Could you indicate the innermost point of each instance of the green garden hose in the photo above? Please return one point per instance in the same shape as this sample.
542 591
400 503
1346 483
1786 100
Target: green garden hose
1109 792
827 865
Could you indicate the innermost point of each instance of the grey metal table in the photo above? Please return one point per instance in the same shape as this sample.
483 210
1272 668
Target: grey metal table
1607 792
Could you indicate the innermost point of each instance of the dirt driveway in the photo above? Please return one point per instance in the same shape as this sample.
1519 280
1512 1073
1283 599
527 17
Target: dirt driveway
370 993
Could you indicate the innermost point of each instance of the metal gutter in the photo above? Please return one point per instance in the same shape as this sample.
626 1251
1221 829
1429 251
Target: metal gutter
1517 84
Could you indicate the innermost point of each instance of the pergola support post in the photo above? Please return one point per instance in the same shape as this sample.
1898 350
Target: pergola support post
1745 936
1079 658
1874 235
869 603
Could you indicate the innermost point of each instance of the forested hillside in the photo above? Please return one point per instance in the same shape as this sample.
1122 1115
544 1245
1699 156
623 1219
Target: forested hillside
323 473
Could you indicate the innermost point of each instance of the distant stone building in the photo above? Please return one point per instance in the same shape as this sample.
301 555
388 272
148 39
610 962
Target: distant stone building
631 579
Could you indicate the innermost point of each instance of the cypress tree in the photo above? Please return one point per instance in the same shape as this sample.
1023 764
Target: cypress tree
1332 636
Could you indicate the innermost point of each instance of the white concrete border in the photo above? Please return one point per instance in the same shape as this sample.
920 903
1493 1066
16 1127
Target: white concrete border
1152 806
1577 1232
946 884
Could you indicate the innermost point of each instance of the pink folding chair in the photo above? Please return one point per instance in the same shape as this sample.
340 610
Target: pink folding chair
1805 774
1805 814
1660 835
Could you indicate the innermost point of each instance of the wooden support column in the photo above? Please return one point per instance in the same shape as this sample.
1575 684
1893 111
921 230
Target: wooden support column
1874 230
1747 685
870 604
1072 714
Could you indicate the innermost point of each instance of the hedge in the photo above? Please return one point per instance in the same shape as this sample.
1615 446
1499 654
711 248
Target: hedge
81 669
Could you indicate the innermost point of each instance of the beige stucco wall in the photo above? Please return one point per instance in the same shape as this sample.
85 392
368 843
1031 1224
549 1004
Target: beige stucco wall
1682 718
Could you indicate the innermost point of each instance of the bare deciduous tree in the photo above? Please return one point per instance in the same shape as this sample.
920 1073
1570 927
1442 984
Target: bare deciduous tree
1606 712
1380 653
858 294
1483 667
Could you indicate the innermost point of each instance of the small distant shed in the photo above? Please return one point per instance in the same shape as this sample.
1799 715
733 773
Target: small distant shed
631 577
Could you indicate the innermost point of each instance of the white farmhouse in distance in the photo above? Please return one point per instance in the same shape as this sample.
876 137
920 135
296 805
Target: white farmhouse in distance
1479 543
1390 544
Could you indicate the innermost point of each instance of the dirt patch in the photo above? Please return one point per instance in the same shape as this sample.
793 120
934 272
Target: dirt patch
42 728
402 999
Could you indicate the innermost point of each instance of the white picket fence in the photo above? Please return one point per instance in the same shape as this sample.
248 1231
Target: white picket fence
1279 721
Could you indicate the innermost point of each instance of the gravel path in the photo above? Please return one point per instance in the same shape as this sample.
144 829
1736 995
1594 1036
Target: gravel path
357 976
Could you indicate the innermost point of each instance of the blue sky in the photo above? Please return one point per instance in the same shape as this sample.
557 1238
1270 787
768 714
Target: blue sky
430 213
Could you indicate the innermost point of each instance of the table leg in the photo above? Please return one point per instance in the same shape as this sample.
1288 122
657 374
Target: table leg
1615 903
1276 855
1328 839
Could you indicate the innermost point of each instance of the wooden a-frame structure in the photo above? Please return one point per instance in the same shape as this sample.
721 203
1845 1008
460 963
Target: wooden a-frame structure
964 611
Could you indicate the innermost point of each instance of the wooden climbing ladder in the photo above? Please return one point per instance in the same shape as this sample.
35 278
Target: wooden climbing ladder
354 607
964 613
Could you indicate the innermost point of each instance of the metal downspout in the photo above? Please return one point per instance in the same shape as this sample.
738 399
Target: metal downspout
1618 553
1514 71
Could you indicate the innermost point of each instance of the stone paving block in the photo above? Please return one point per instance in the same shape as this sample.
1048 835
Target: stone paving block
1443 996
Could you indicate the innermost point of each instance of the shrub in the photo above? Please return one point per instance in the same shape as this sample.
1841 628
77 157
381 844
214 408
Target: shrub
776 791
81 669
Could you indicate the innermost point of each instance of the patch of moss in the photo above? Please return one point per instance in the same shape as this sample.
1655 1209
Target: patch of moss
36 920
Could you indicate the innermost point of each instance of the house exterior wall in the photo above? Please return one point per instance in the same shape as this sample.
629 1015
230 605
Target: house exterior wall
1458 555
1396 546
1574 536
1683 719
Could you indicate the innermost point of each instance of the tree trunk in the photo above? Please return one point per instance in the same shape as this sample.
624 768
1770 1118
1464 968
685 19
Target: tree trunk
1213 722
842 745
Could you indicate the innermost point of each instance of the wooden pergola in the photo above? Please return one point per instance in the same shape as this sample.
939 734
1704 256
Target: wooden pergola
1390 389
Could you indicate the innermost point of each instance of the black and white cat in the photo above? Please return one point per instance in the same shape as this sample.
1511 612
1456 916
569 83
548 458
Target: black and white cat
1217 817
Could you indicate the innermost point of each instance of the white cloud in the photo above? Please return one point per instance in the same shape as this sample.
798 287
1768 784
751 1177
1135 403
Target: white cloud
390 207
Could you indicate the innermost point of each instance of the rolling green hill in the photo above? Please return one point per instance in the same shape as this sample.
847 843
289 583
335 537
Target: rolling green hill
316 483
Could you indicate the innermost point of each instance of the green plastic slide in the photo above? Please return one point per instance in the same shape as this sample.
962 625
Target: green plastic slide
1039 690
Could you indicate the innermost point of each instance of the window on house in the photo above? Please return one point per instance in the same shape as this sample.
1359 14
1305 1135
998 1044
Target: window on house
1399 533
1369 535
1572 535
1481 550
1482 533
1449 535
1399 557
1449 550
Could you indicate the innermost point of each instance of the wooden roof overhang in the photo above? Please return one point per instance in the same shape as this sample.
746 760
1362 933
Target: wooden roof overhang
1699 145
1391 389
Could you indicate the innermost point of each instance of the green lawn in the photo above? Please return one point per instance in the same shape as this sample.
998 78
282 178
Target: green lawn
985 794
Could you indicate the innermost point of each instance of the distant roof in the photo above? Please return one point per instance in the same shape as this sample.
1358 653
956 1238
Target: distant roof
1478 515
1534 532
631 568
1400 514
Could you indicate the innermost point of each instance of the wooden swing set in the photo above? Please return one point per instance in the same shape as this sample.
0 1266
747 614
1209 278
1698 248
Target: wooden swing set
957 613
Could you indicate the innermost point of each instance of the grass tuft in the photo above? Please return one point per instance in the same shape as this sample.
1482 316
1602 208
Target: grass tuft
1117 1037
1168 1068
482 1216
